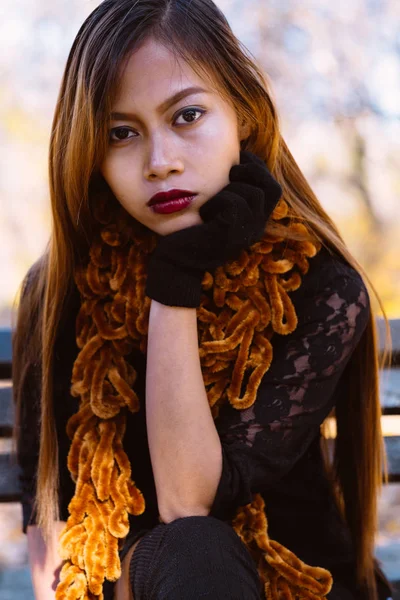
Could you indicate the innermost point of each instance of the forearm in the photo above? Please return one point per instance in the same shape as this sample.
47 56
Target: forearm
44 561
184 445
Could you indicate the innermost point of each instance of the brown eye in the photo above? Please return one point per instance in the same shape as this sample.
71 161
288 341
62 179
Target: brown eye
121 133
190 113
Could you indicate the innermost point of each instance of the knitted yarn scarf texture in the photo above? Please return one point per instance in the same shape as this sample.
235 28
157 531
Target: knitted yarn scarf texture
244 303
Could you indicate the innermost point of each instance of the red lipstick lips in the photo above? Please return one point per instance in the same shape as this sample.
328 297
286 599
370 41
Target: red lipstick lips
171 201
170 195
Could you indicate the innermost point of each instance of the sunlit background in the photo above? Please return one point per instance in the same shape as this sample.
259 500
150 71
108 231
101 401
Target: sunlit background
334 71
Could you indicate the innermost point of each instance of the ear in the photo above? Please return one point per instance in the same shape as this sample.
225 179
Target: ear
244 130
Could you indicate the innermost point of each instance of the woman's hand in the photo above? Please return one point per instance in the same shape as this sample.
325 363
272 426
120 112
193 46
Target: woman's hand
234 219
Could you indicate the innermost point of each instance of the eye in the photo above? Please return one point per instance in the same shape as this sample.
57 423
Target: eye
123 131
190 112
117 130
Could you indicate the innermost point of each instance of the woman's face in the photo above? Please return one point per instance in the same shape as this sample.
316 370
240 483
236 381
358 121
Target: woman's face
189 144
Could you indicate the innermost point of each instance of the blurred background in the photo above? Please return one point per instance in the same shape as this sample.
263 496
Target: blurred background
334 72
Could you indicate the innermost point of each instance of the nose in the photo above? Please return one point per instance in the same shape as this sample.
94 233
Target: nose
162 160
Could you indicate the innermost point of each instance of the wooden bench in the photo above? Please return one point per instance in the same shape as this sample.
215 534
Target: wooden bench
9 470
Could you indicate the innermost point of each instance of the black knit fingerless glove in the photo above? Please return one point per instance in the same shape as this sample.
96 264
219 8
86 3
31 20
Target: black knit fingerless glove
234 219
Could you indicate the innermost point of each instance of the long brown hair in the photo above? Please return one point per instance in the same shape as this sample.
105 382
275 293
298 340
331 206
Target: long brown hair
198 33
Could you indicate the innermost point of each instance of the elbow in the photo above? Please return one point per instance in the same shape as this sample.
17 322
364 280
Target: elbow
194 501
197 505
173 512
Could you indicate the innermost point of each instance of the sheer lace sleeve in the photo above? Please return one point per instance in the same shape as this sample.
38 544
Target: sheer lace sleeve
262 443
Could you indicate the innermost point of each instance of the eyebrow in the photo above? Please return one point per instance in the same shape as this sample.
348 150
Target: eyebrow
164 106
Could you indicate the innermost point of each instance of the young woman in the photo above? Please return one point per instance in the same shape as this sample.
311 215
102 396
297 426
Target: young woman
194 320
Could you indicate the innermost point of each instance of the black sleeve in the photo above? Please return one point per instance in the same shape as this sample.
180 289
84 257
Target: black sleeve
29 435
27 450
262 443
28 443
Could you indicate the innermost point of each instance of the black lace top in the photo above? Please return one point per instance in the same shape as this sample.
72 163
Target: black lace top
273 447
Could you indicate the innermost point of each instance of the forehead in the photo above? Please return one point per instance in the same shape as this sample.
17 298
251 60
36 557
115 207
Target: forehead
153 72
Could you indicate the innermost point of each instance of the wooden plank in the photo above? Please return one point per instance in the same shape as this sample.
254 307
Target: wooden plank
6 347
10 490
5 344
389 385
10 487
6 411
5 353
392 444
389 390
5 371
395 332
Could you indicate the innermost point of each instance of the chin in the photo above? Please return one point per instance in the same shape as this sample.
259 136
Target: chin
180 221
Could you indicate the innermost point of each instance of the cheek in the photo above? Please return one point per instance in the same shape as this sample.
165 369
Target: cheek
221 148
216 143
220 131
116 172
222 152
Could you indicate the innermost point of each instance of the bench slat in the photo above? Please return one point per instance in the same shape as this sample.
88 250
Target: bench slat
395 332
389 384
390 394
9 470
6 343
6 412
392 444
389 388
10 487
10 490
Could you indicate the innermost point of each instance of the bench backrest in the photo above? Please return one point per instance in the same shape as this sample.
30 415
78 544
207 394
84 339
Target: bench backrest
9 470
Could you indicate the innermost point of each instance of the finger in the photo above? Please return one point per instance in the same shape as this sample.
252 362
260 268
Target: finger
257 176
260 203
251 172
217 204
252 195
236 202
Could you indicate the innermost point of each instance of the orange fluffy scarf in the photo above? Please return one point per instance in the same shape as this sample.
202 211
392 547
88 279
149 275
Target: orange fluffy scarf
243 304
